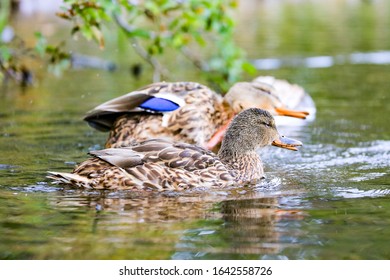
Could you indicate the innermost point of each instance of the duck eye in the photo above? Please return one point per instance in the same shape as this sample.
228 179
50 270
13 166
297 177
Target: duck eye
267 124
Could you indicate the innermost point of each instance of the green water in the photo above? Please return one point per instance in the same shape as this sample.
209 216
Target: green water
330 200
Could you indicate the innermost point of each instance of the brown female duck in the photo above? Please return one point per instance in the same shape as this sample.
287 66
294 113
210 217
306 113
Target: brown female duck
290 96
161 164
181 111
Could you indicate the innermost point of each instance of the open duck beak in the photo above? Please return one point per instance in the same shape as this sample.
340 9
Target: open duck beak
291 113
287 143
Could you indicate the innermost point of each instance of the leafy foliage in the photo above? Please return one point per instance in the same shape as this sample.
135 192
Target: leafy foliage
15 55
58 58
200 30
153 26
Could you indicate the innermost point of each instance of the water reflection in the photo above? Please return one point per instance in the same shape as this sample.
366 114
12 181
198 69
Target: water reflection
265 233
208 225
148 206
317 203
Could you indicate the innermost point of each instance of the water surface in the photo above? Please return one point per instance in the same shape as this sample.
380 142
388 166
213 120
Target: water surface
330 200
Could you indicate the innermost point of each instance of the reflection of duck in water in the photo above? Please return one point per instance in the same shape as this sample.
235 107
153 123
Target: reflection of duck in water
161 164
252 226
192 225
182 111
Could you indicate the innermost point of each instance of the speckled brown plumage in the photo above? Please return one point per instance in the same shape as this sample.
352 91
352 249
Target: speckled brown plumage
195 122
201 114
153 164
159 164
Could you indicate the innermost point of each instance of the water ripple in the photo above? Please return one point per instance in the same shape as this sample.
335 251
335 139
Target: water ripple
332 167
367 156
357 193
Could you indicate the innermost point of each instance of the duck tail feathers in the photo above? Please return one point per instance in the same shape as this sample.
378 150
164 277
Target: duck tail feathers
69 179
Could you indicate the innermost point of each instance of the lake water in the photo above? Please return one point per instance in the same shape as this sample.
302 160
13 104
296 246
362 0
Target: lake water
330 200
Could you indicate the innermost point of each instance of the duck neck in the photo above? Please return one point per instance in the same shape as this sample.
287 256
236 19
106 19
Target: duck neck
247 166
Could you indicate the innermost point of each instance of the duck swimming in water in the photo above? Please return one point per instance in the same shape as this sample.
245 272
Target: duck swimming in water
181 111
159 164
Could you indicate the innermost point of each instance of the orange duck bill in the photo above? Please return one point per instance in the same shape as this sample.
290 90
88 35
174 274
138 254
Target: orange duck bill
281 111
287 143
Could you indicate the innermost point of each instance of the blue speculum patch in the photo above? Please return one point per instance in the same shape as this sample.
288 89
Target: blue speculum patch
159 104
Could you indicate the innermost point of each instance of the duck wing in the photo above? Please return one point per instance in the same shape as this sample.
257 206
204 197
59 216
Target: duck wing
155 98
120 157
161 164
164 152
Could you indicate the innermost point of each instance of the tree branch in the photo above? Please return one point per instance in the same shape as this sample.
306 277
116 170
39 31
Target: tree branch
197 62
159 70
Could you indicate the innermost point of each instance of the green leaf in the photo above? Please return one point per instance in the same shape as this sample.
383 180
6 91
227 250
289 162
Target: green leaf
249 68
140 33
199 39
98 36
41 44
5 53
86 31
152 8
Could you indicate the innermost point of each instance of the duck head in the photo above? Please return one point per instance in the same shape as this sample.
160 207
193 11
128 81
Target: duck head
245 95
252 129
257 94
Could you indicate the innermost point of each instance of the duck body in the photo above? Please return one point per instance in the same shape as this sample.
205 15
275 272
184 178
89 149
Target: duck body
180 111
195 113
155 164
159 164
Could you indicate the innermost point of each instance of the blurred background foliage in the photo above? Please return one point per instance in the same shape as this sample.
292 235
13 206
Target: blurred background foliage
201 31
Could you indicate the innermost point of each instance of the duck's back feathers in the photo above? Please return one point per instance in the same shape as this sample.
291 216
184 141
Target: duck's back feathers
121 157
69 179
155 98
159 164
182 112
103 116
153 164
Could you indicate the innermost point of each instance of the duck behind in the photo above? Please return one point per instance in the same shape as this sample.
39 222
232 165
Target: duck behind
181 111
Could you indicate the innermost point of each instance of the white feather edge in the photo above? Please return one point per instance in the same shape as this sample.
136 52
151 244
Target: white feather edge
63 177
174 98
